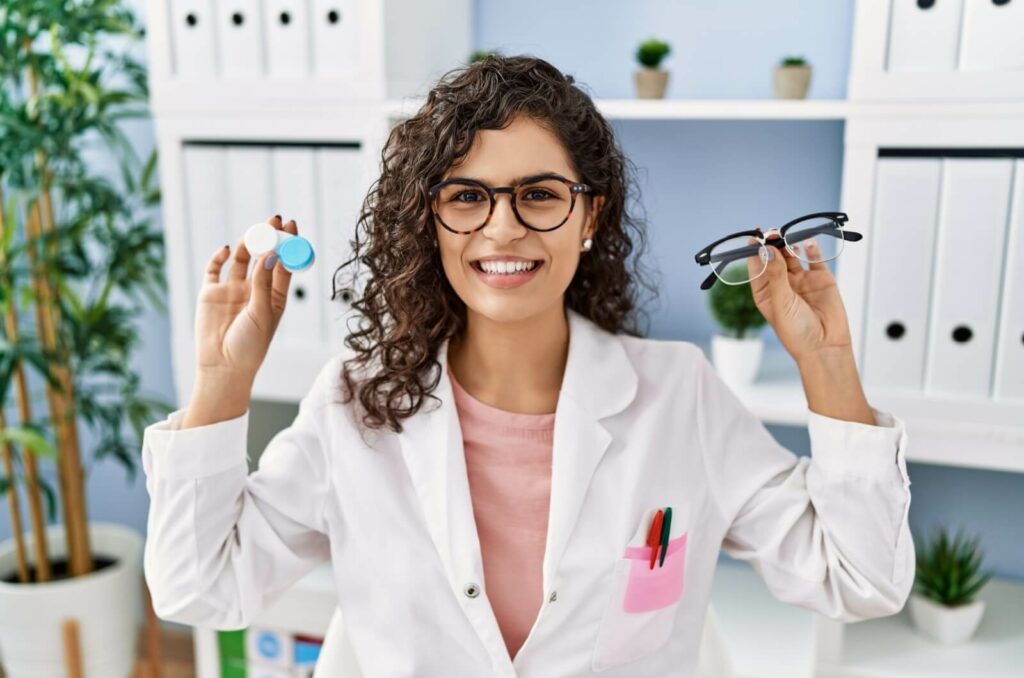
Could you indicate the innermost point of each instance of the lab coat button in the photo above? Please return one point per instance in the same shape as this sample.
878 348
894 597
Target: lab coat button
471 590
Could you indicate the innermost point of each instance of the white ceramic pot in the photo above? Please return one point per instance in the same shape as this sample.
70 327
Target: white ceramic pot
107 604
736 360
945 624
791 82
651 83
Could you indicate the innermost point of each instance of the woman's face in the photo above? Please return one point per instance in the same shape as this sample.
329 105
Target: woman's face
497 158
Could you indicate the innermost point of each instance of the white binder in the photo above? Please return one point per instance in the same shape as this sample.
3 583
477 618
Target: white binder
249 188
335 27
340 199
1009 373
294 179
924 36
993 36
900 278
193 37
288 38
206 209
240 38
968 271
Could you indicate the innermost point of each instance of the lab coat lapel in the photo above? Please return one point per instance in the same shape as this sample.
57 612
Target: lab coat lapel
599 381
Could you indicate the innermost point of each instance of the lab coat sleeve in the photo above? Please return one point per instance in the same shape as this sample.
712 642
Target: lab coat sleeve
222 544
827 532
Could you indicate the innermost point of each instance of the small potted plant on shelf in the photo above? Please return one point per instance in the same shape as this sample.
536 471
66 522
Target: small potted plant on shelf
736 352
79 259
481 54
651 80
792 78
949 576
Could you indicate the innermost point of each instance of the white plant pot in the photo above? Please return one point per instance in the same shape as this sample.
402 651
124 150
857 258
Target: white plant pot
736 360
650 83
106 603
945 624
791 82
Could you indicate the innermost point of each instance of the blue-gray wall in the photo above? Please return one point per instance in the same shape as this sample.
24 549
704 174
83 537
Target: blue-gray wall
699 179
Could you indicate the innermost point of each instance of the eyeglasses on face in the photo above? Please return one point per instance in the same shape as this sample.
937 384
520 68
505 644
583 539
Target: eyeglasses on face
541 202
731 255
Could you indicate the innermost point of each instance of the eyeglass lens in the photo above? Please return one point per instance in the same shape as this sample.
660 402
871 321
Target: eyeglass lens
741 259
542 204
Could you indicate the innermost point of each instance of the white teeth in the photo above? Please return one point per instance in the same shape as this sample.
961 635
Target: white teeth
506 267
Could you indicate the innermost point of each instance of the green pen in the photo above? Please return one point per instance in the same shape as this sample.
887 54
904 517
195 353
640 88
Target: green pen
665 525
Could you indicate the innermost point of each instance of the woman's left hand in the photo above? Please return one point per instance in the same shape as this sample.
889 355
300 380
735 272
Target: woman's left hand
803 306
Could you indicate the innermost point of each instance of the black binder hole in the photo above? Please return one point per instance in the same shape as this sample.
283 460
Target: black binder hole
191 19
237 19
1000 3
925 4
962 334
333 16
1022 338
895 330
346 296
285 18
300 293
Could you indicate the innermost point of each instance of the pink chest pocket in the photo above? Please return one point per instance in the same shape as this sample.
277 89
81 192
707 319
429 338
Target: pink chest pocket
650 589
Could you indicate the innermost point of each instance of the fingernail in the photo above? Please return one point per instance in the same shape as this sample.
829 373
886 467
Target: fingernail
270 261
277 216
226 247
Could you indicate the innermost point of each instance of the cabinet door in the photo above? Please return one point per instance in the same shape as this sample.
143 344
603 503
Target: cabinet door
973 210
193 39
924 35
342 188
1009 377
900 271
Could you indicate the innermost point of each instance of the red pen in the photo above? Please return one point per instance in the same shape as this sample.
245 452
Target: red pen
654 536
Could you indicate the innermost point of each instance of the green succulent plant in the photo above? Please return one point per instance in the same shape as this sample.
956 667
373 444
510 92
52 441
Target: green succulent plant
793 61
480 55
949 569
733 307
651 52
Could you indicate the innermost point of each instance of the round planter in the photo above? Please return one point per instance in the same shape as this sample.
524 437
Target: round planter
106 603
736 360
651 83
791 82
947 625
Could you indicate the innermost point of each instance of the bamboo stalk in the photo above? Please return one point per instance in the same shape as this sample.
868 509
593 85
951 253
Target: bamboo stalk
71 476
35 504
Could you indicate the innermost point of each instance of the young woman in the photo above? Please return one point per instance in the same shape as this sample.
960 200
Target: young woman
521 526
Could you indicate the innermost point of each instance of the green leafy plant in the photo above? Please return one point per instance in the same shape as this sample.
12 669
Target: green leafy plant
79 256
949 569
651 52
793 61
733 307
480 55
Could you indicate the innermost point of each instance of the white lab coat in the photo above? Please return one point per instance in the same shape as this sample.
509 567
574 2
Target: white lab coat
639 424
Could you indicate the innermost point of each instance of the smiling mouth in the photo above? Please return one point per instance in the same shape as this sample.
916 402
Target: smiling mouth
535 265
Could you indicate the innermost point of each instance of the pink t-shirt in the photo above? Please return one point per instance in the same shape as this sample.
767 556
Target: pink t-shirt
508 461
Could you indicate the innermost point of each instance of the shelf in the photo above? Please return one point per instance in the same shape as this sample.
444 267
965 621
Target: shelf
892 648
967 432
768 109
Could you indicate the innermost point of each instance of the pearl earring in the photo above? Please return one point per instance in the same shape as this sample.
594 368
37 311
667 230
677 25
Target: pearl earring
587 243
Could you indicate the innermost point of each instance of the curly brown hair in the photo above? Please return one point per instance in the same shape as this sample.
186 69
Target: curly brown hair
406 306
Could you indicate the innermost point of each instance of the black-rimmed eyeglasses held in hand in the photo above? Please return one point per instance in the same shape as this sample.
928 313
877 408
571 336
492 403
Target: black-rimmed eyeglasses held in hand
730 255
542 202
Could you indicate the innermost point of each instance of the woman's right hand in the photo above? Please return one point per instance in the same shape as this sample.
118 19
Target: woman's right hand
235 322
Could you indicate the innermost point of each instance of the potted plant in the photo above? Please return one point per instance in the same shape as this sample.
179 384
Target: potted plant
78 257
650 80
792 78
481 54
942 605
736 352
